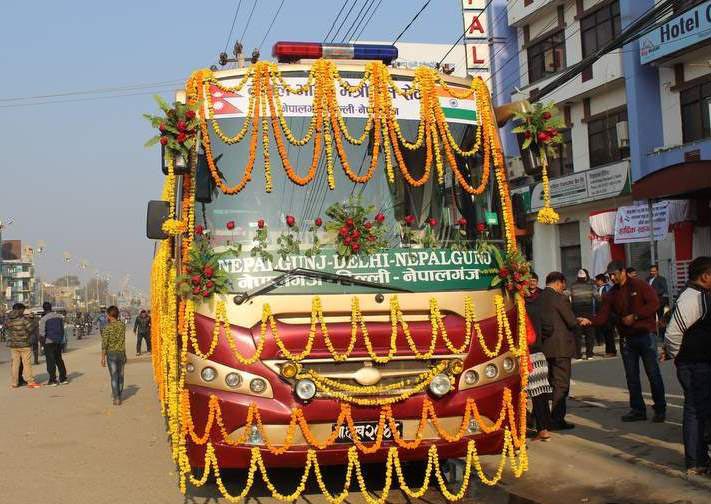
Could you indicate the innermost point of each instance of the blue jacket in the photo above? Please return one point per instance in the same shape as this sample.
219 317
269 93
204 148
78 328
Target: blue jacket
51 328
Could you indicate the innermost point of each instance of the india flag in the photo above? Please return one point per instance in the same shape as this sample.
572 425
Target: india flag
457 110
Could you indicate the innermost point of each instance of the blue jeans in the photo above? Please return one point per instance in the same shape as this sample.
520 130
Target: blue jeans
115 361
644 347
695 379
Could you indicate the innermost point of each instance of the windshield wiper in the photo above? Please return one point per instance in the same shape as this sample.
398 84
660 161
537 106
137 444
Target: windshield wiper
309 273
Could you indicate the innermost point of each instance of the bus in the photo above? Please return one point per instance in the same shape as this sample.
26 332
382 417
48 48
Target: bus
337 280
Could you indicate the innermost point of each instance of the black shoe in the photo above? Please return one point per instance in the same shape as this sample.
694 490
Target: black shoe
659 417
562 426
634 416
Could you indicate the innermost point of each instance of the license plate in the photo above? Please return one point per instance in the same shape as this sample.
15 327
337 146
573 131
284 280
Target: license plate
367 432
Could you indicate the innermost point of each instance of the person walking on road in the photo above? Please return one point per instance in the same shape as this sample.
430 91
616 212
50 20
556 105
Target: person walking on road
142 330
538 388
113 351
659 284
582 298
557 325
635 304
51 333
19 333
688 342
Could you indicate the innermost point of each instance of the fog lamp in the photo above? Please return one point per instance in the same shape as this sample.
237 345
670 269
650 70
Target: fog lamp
440 385
472 427
305 389
255 437
289 370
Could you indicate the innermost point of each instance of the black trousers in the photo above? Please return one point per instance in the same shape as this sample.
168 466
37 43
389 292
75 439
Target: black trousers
140 337
559 378
53 355
585 335
542 412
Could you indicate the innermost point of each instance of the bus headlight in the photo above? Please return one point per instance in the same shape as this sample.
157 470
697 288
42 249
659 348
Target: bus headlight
233 380
305 389
258 385
471 377
208 374
508 364
491 371
289 370
440 385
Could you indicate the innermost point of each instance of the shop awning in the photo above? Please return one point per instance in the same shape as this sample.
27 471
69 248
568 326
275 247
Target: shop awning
684 180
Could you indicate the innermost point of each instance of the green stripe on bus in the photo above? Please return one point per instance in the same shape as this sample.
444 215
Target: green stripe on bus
457 113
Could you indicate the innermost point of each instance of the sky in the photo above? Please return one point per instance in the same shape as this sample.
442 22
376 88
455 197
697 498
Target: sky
73 169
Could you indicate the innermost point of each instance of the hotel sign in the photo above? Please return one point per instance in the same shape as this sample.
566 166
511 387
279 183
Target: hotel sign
684 30
476 37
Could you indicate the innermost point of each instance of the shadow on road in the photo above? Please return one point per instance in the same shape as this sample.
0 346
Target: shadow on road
129 391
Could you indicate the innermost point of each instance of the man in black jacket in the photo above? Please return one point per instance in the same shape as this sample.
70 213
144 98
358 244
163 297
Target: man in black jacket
557 324
688 341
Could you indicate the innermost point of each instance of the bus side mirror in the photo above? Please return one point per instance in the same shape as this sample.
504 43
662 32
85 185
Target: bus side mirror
158 213
203 180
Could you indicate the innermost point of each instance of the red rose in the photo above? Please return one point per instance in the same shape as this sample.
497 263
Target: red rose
347 240
318 222
542 136
210 284
355 235
527 135
343 231
517 276
181 137
367 225
260 223
462 222
182 125
518 286
163 140
196 290
432 222
206 293
199 230
481 227
196 279
379 218
230 225
190 114
355 247
372 238
208 271
509 287
161 127
409 220
546 116
503 272
290 220
349 221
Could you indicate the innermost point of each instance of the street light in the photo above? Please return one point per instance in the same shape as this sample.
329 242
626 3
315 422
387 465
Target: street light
3 225
83 265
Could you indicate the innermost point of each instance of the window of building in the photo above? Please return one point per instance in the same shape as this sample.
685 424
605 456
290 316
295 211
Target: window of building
570 256
546 57
563 163
602 139
695 112
600 27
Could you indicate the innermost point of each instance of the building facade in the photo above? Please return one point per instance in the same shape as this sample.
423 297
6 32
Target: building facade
628 120
17 277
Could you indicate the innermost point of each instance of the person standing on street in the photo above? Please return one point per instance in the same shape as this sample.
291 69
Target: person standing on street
538 388
582 298
607 331
142 330
113 351
557 325
19 333
688 342
51 333
635 304
659 284
533 289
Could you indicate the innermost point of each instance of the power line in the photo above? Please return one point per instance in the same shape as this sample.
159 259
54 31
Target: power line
234 20
357 19
412 21
335 20
343 21
464 34
92 98
129 87
369 18
249 19
365 15
271 24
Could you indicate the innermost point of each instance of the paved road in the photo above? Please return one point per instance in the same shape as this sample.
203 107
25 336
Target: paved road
69 445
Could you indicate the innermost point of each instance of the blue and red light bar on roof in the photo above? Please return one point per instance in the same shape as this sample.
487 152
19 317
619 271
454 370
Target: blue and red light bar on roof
291 51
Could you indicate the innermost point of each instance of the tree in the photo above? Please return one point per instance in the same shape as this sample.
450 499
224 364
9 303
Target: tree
97 289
